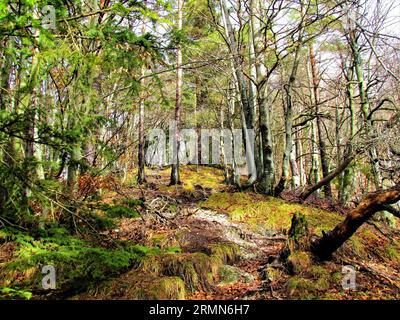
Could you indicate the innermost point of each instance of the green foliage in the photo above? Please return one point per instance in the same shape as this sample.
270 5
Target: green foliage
133 203
101 222
77 262
122 212
7 293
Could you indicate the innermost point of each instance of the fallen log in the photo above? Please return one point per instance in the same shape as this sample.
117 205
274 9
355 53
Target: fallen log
324 181
324 247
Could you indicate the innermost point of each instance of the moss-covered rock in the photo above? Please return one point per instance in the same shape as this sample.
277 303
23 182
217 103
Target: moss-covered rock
231 274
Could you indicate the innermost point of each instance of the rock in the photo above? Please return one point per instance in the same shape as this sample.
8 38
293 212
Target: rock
232 274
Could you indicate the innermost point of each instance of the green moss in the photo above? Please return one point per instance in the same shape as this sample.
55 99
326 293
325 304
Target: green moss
337 277
298 229
319 271
168 288
304 288
132 203
300 286
224 253
313 282
192 268
356 245
207 177
271 274
368 235
393 253
139 285
229 275
192 176
151 264
299 262
122 212
77 262
159 240
198 270
271 213
322 284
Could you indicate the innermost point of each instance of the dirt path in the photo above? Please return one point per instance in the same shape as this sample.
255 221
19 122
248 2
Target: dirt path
254 248
195 229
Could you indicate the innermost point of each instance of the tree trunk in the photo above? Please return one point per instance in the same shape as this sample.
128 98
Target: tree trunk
266 178
141 178
299 159
175 178
365 106
289 118
315 167
321 138
253 99
324 247
5 74
296 176
348 174
247 106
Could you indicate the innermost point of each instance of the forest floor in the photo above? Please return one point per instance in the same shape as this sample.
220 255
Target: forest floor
202 240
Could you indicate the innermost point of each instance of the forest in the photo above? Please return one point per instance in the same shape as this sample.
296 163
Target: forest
199 150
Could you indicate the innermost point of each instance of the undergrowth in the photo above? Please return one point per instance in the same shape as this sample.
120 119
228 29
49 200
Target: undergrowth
78 263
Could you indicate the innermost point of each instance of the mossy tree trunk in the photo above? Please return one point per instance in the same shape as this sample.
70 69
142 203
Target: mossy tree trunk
298 237
353 38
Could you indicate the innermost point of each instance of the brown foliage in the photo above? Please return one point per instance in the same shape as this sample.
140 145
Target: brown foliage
89 185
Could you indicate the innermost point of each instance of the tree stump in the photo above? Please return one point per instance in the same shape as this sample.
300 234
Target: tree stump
298 242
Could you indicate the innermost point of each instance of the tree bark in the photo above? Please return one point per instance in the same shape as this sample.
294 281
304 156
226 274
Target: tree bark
365 105
288 125
5 73
315 167
348 174
246 102
266 178
296 173
289 112
321 138
175 178
141 177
